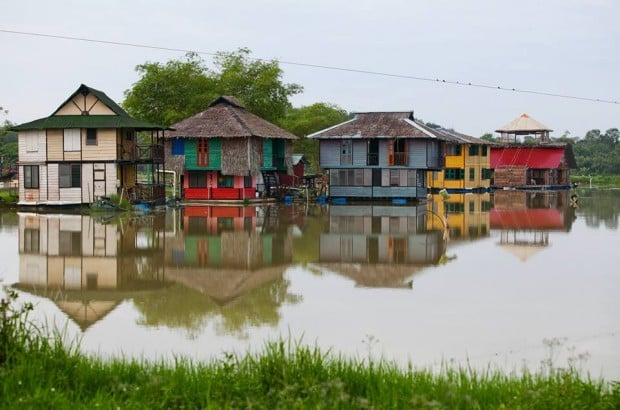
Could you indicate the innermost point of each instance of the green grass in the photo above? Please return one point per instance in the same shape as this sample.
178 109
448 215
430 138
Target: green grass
598 181
39 372
8 196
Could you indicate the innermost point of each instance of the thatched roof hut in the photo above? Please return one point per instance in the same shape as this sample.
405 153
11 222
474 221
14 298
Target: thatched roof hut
241 133
226 117
524 125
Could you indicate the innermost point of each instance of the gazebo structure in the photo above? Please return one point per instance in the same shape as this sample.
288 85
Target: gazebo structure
523 126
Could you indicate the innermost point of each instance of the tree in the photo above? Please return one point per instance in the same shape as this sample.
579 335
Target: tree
489 137
167 93
8 144
308 119
257 83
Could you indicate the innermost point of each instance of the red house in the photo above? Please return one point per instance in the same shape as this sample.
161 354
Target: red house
533 163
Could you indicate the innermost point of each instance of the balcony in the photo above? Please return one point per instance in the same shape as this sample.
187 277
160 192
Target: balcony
141 153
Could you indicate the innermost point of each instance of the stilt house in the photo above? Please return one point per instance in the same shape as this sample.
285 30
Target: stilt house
227 153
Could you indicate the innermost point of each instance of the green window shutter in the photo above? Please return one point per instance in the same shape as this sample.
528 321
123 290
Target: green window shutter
215 153
267 153
190 153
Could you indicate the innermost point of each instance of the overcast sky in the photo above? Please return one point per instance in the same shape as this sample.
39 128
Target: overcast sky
569 47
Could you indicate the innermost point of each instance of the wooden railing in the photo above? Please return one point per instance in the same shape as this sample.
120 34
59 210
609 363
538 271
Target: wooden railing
141 153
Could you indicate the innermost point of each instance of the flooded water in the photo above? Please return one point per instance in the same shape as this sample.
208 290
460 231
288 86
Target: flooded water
505 280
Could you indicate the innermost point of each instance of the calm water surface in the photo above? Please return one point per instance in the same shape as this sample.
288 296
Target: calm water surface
506 280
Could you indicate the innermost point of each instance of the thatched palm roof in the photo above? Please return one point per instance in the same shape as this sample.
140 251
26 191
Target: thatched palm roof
380 125
226 117
523 125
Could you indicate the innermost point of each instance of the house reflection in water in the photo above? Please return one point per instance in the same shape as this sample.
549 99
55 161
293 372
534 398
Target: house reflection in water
236 256
525 219
87 266
467 215
380 246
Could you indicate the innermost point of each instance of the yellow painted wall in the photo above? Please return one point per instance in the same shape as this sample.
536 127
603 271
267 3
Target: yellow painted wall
91 104
436 179
105 148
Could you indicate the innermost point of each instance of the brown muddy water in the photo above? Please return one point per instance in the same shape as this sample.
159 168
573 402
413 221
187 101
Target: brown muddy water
505 280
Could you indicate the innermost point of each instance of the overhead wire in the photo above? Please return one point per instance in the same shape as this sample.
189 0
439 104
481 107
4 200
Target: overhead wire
323 67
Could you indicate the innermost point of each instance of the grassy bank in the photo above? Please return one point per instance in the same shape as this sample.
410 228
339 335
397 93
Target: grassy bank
598 181
39 372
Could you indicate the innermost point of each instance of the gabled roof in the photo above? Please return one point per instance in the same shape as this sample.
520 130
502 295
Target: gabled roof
523 124
226 117
379 125
101 96
120 120
539 156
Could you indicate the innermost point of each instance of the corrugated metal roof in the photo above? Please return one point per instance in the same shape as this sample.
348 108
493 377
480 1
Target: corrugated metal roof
529 156
379 125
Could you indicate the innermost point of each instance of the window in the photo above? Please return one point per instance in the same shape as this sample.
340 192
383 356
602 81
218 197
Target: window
202 154
484 150
346 152
472 174
178 146
197 179
487 173
72 139
350 177
32 142
247 181
453 149
31 176
69 175
91 136
129 135
454 173
473 150
397 152
394 177
411 177
225 181
373 152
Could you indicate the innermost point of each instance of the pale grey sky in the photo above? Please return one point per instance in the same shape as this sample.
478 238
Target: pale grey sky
569 47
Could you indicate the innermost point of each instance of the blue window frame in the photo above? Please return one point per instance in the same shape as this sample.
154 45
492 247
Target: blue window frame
178 146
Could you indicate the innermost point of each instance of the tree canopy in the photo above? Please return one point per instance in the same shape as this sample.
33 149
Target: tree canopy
8 143
167 93
598 153
308 119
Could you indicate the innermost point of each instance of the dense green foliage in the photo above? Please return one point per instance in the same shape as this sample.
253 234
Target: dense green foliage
167 93
308 119
597 153
8 144
39 372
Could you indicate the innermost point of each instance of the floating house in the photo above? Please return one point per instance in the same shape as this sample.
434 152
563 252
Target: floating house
300 162
379 155
467 162
227 153
87 149
535 162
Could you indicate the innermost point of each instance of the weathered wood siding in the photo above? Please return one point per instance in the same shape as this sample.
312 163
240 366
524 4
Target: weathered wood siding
31 146
417 153
55 145
395 192
105 269
329 153
359 148
510 176
105 149
350 191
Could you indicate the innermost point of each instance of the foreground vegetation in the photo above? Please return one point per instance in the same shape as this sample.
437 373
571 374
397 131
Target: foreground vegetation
38 371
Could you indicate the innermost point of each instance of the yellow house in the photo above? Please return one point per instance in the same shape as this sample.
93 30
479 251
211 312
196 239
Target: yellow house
467 215
87 149
467 164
